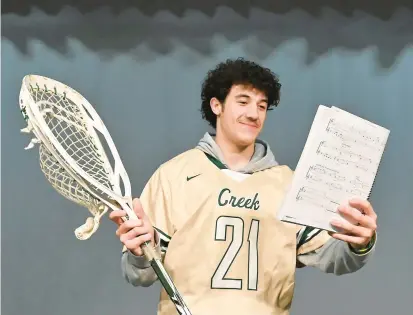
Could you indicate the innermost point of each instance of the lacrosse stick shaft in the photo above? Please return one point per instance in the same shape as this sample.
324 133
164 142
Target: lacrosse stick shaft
167 283
170 288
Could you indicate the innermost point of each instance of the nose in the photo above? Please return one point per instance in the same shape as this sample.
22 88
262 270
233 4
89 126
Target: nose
252 111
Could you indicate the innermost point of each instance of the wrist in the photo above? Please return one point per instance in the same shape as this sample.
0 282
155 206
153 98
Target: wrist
363 249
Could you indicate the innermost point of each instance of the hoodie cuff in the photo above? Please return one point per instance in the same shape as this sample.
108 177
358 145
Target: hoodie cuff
367 249
142 262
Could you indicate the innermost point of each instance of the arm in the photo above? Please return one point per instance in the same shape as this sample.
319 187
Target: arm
345 251
156 204
136 269
336 257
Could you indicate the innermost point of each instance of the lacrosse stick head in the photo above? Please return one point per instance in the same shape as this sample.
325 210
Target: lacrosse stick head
72 138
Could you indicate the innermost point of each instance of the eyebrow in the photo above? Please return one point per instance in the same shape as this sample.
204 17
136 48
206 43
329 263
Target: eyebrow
242 95
247 96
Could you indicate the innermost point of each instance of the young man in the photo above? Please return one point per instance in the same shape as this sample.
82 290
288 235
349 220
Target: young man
211 211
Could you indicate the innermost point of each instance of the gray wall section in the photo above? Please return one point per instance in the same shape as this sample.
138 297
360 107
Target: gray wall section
143 75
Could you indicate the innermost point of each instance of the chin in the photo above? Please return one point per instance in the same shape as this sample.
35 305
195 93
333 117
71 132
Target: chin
247 139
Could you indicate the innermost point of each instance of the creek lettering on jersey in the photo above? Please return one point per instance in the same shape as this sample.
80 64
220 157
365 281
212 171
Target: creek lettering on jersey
226 198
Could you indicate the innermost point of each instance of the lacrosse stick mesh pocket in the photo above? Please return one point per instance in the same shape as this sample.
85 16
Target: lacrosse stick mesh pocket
68 187
68 125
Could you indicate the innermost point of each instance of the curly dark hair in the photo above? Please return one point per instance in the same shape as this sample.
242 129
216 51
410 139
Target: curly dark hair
219 81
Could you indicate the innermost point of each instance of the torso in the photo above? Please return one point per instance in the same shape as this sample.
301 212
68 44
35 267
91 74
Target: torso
228 253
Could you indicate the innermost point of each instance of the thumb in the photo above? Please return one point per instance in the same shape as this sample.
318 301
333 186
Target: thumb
138 209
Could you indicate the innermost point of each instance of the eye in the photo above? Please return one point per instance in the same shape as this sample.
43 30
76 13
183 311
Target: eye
243 102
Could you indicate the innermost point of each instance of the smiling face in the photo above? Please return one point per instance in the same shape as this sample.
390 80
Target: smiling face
241 117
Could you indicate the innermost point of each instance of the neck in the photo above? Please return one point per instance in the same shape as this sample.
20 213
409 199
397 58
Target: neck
236 157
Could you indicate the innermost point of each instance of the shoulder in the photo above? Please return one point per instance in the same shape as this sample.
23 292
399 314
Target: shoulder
170 173
280 174
184 163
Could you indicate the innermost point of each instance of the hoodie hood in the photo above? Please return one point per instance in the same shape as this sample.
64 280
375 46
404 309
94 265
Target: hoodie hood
262 158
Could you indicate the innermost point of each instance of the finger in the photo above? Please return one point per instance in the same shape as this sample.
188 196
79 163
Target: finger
127 226
135 244
133 233
350 214
363 206
137 208
355 217
116 216
346 227
349 238
136 250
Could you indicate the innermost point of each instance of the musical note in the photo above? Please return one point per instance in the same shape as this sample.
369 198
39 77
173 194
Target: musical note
345 150
352 134
311 196
341 129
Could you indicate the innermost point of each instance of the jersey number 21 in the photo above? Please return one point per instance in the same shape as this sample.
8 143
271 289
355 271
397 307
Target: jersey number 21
218 280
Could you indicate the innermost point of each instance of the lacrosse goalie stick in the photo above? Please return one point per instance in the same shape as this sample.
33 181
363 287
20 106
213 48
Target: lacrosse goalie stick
74 160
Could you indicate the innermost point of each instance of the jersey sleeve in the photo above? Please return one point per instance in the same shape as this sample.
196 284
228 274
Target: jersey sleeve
310 239
156 201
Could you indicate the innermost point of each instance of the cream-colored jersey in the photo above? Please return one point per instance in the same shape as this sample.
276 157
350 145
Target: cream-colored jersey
225 250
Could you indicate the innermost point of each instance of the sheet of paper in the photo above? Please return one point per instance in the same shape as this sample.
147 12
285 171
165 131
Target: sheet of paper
339 161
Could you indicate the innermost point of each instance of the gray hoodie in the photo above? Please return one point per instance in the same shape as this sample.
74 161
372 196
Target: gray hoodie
334 257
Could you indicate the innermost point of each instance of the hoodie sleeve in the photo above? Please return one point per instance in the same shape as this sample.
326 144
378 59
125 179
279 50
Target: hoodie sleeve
137 270
318 249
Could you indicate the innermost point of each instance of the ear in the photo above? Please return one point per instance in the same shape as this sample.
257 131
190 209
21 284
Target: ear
216 106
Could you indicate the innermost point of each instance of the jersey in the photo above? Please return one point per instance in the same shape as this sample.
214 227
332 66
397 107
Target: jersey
224 248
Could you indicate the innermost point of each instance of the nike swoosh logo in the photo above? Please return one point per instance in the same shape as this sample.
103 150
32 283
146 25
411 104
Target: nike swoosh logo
188 178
